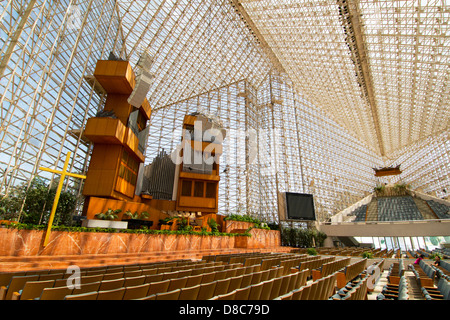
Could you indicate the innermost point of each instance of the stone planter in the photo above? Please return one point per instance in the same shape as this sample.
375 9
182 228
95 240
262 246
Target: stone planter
94 223
15 242
259 239
231 226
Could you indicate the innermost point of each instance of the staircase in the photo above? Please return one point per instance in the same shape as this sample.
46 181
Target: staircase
372 210
349 241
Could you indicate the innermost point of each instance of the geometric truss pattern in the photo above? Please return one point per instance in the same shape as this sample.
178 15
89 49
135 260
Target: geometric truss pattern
379 68
276 142
296 117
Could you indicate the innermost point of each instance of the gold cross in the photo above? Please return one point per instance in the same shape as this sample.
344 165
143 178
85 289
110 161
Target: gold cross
63 173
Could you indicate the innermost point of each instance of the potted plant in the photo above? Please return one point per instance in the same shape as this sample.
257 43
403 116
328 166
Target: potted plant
106 220
379 190
213 225
136 220
401 188
108 215
320 238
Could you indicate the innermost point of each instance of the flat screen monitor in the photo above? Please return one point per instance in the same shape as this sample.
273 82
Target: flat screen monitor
300 206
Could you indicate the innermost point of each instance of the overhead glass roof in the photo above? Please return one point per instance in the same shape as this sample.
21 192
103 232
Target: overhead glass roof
332 87
379 68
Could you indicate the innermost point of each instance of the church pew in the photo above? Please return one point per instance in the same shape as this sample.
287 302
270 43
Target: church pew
108 281
350 272
329 268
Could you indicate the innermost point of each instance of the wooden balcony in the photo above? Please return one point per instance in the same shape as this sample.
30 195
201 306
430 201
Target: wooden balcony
387 171
115 76
105 130
200 176
196 203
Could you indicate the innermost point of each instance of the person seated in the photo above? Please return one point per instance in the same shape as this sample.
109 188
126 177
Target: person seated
421 256
437 261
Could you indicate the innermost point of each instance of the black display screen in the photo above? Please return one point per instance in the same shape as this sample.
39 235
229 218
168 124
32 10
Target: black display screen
300 206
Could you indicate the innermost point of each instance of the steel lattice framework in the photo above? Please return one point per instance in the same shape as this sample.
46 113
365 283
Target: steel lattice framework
314 94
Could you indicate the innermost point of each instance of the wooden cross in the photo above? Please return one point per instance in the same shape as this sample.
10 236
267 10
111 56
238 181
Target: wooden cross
63 173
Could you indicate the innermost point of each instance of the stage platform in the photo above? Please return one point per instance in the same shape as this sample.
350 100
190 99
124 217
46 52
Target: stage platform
22 250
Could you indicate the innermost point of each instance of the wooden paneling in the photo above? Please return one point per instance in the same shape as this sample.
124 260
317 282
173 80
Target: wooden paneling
103 168
105 130
124 187
197 202
387 172
115 76
199 176
97 205
119 104
189 120
146 109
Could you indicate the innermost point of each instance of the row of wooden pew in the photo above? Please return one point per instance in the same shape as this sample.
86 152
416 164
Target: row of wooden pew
186 288
210 278
348 251
267 290
324 288
354 290
350 272
320 289
329 268
31 285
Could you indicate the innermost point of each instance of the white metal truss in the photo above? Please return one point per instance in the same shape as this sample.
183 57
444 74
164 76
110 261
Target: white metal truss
283 76
379 68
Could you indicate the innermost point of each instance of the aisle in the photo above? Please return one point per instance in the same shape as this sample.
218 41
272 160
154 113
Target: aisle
414 292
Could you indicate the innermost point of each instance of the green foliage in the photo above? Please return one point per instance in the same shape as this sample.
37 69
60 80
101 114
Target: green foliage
66 207
183 224
401 186
131 215
110 214
433 255
273 226
10 207
24 226
367 254
239 217
247 218
136 215
379 189
37 203
144 215
311 252
303 238
434 240
320 238
213 225
165 221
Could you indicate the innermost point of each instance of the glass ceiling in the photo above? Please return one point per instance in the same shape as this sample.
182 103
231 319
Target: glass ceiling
332 89
379 68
